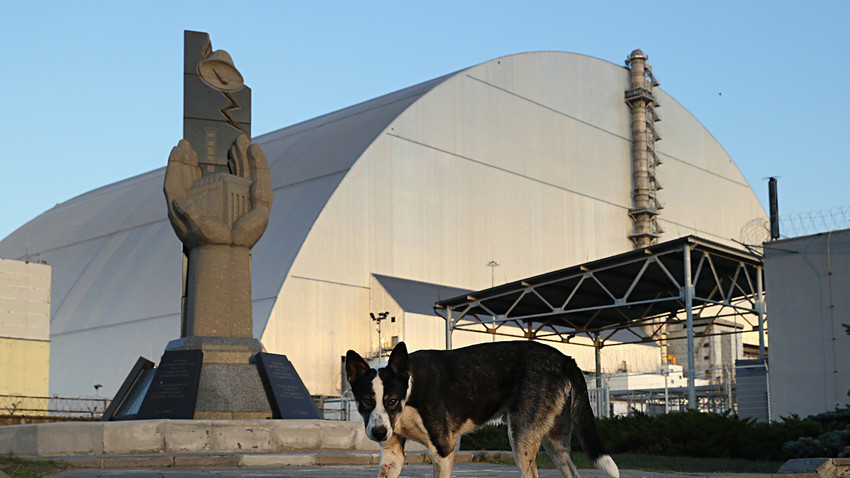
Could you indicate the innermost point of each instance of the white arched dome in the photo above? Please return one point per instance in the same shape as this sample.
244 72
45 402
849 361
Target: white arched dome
524 160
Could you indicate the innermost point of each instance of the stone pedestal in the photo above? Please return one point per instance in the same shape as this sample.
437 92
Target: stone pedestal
230 386
214 378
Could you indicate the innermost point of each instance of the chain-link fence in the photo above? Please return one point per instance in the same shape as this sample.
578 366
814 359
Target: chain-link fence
23 406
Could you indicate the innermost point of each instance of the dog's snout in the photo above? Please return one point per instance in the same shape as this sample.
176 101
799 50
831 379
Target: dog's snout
379 433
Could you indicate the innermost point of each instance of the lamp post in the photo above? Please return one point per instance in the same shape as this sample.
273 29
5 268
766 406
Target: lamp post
380 318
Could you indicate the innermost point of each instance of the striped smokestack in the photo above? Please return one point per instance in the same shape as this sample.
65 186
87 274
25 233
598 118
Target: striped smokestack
641 100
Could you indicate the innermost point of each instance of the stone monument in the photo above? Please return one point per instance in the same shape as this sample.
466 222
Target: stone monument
219 194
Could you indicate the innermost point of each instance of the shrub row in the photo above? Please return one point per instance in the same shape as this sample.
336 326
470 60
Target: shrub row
697 434
833 440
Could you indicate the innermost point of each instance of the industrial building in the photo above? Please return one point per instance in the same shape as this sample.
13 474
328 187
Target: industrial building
810 319
24 337
512 168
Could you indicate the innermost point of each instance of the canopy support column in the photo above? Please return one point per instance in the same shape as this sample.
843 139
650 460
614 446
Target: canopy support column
760 309
448 328
597 345
688 294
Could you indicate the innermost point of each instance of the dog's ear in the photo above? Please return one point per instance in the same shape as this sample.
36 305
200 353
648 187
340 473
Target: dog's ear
355 366
398 362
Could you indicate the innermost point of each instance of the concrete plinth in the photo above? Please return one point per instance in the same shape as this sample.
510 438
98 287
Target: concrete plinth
816 467
183 436
230 385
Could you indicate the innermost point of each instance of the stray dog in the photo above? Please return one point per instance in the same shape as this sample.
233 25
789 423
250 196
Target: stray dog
433 397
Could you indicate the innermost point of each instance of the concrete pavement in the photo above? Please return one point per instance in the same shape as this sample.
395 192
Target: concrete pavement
300 464
463 470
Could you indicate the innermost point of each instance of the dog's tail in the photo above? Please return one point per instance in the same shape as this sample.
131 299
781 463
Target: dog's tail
585 425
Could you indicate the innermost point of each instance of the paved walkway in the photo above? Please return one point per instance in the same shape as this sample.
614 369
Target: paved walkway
463 470
301 464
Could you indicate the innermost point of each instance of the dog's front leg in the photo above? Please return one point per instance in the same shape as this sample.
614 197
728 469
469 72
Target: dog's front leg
443 465
392 457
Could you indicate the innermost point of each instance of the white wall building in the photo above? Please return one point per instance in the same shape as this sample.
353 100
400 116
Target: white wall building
807 279
523 160
24 335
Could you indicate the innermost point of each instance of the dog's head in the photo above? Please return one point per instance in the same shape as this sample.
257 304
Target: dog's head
380 393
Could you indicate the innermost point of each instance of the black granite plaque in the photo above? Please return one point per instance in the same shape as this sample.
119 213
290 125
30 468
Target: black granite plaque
288 395
123 406
175 386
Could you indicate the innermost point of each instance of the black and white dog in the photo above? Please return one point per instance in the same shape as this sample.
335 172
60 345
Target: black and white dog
433 397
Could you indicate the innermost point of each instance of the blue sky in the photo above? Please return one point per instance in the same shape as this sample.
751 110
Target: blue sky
92 90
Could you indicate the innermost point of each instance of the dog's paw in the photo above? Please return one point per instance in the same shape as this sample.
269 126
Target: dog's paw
389 471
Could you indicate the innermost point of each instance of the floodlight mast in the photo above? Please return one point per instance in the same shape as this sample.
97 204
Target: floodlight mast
380 318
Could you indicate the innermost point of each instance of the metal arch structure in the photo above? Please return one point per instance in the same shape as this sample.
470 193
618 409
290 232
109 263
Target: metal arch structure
536 140
633 295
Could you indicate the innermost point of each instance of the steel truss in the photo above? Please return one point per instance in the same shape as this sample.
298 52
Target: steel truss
634 295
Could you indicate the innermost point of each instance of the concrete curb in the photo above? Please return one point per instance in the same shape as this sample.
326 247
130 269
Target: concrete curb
156 437
230 460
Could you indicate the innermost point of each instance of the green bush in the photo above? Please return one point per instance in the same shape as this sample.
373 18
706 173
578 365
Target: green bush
696 434
834 443
689 433
488 437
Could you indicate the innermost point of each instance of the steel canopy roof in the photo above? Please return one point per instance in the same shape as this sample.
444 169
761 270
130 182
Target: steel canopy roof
628 291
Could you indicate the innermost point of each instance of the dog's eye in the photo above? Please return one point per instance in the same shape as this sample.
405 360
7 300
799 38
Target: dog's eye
368 402
392 401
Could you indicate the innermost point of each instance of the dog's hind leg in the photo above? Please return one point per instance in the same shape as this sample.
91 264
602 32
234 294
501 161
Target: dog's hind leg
392 457
557 443
561 456
525 443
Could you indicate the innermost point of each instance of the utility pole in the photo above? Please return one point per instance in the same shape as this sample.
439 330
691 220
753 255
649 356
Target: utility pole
380 318
493 265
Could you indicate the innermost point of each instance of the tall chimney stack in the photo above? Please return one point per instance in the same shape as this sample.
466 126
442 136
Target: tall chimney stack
641 100
773 197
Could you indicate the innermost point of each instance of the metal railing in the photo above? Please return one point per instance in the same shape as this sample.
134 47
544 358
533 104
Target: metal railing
90 408
742 390
343 408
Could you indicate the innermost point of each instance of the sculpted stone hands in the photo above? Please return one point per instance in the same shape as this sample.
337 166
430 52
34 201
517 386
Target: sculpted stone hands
181 172
247 160
194 214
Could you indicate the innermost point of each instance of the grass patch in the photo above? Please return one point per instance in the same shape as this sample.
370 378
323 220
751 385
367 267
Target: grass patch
661 464
22 468
683 464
